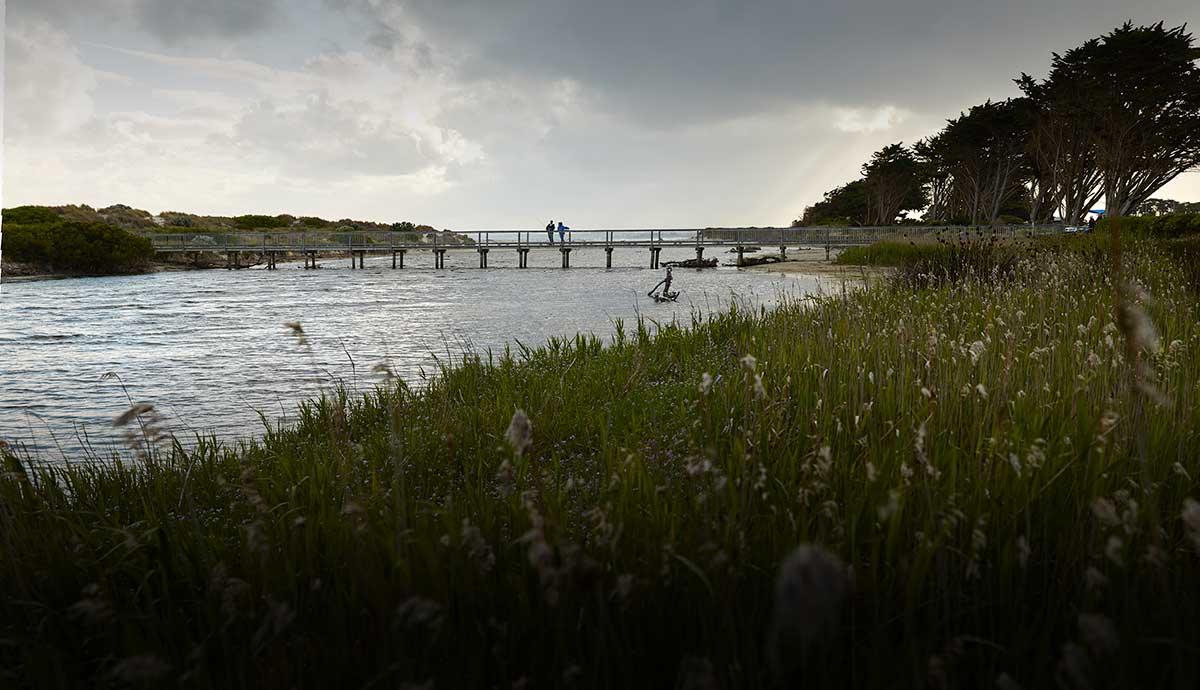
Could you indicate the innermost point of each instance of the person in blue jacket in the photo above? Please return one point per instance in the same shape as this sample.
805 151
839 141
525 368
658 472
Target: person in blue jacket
562 232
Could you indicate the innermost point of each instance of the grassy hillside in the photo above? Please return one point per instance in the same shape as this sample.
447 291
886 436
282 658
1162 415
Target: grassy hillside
997 473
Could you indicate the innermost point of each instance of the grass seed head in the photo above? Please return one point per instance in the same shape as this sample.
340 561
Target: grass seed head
520 432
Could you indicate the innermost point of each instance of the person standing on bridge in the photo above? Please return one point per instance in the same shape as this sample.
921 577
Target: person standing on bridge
562 232
550 231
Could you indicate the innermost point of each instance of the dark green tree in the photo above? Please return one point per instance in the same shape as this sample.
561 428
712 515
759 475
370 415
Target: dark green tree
845 205
1136 91
981 156
894 184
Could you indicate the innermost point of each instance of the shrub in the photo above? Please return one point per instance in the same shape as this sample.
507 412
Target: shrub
77 247
30 215
1171 226
254 222
888 254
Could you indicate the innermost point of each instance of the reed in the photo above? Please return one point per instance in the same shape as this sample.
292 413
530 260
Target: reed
946 484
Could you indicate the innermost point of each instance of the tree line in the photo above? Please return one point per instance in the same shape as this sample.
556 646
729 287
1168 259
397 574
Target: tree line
1116 118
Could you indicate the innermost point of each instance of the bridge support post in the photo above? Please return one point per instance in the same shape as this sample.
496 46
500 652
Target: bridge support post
228 261
654 253
483 257
699 254
522 258
401 258
566 256
393 260
362 256
439 258
608 257
741 254
783 251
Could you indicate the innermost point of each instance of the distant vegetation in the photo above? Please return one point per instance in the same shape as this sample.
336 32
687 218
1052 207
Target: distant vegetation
61 244
78 239
1116 118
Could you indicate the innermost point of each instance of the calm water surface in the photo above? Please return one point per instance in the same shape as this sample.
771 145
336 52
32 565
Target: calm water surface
209 349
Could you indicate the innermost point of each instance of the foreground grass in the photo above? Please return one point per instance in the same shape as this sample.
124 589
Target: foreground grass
1008 500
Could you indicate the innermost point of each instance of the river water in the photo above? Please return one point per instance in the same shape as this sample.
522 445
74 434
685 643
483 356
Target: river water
210 351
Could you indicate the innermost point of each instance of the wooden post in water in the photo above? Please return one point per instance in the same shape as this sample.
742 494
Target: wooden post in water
608 257
402 258
393 259
362 257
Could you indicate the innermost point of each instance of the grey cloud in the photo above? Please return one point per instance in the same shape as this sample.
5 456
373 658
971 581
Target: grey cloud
168 20
672 61
175 19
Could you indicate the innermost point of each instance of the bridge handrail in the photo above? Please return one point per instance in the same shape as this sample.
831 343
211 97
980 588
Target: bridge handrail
380 240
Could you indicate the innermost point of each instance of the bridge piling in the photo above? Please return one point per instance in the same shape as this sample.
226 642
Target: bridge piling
566 256
741 251
608 257
699 254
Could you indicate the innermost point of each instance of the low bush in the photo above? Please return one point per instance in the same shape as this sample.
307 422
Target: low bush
946 259
888 254
255 222
1165 227
75 247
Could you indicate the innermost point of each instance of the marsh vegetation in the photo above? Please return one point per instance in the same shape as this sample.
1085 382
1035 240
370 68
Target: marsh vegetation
987 479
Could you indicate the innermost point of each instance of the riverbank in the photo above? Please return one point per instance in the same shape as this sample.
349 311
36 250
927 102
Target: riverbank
15 272
998 481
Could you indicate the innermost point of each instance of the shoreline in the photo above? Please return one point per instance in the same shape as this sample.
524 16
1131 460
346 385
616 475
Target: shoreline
36 277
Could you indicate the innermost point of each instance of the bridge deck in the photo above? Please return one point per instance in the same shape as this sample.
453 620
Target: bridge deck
521 240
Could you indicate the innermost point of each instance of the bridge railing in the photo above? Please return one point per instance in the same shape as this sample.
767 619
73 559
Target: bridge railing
287 241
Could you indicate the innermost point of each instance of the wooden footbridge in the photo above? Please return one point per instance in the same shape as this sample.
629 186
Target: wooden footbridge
270 246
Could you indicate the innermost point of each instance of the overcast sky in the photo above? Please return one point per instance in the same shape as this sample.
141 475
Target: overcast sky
505 113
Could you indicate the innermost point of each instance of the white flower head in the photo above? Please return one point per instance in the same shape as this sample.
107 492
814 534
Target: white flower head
520 432
976 350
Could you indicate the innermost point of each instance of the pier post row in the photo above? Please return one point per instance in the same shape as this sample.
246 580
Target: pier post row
267 248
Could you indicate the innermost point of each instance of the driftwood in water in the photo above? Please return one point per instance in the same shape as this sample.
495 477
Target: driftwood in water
692 263
759 260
